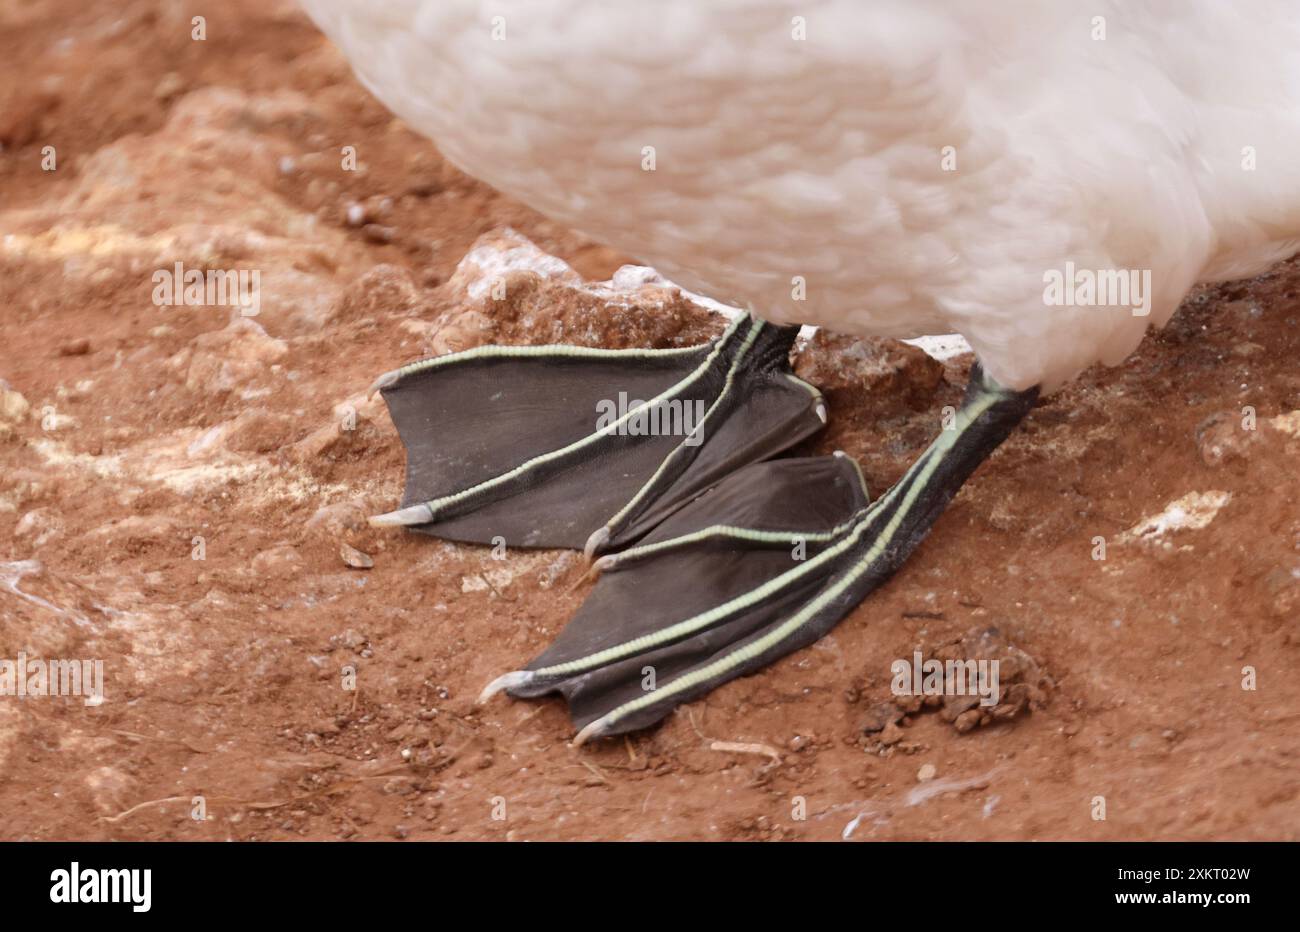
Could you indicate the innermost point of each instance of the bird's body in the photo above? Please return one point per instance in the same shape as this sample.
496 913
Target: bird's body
1046 179
920 166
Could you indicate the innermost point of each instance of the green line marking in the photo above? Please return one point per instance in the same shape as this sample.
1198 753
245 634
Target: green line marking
729 531
676 388
807 386
494 351
862 480
745 347
914 482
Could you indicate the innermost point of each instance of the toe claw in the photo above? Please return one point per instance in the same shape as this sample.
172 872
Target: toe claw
413 514
503 682
598 539
592 730
387 380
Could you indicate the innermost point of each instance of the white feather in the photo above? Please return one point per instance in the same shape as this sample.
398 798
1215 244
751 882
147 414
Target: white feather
821 158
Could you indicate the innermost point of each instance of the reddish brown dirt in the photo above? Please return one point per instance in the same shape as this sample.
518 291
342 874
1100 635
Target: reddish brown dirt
148 426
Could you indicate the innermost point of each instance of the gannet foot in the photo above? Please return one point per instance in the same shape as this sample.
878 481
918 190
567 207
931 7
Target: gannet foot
563 446
766 562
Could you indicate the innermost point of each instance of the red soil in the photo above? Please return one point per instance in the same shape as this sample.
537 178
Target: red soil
141 428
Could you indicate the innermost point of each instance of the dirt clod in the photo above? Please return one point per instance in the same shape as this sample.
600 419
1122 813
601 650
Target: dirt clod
355 558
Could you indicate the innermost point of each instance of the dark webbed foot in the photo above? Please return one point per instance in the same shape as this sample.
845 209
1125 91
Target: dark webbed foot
560 446
764 564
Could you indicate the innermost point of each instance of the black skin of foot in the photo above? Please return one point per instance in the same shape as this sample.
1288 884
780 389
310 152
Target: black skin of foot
508 445
723 588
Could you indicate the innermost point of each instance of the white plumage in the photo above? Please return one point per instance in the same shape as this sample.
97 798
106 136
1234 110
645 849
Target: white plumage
1171 144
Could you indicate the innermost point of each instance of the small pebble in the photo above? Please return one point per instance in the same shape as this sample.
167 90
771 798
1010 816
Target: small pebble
355 558
378 233
926 772
169 86
891 734
77 347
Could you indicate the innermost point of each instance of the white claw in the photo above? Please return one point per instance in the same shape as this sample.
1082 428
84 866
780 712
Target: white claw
592 730
821 412
503 682
413 514
607 562
386 380
597 540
